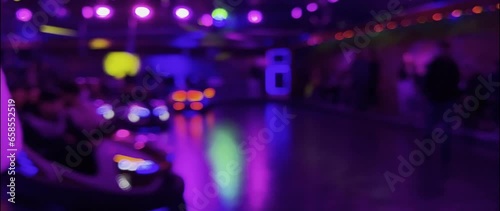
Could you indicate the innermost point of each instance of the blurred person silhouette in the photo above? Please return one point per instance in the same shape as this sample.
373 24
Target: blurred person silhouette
496 98
361 74
441 88
21 94
48 131
80 111
373 78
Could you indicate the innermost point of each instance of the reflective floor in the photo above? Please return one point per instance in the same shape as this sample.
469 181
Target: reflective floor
261 157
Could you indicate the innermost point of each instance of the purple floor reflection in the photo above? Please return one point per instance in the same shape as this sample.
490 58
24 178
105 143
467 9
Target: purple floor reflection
232 160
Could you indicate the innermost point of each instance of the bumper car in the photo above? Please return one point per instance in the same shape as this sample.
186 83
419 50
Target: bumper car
126 179
191 100
153 116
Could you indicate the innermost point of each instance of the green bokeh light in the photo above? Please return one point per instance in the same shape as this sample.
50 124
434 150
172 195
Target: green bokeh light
219 14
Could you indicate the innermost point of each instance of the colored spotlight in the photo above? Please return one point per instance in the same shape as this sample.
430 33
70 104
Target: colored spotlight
121 64
178 106
103 12
312 7
24 15
477 9
437 17
182 12
209 92
87 12
254 16
142 12
296 12
196 106
206 20
219 14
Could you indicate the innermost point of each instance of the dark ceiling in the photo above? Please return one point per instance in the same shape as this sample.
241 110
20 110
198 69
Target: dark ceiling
277 20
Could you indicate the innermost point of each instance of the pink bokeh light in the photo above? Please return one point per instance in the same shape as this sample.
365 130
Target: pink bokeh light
312 7
206 20
296 12
24 15
87 12
254 16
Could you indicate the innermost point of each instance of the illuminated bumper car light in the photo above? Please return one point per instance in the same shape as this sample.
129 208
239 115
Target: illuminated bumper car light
209 93
196 106
179 96
178 106
194 96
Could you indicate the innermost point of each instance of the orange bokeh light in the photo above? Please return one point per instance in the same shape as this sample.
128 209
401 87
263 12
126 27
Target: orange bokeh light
437 17
193 95
477 9
179 96
378 28
348 34
392 25
338 36
178 106
196 106
209 92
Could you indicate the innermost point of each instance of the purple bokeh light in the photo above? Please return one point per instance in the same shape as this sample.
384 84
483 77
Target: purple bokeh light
142 11
24 14
254 16
333 1
87 12
206 20
312 7
103 12
296 12
182 12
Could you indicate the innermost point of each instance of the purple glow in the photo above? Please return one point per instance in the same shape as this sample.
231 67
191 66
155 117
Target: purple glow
296 12
62 12
311 7
24 15
103 12
206 20
254 16
333 1
87 12
142 11
182 12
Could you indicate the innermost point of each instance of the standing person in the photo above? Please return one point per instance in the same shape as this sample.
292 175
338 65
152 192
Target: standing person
373 79
360 71
441 88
